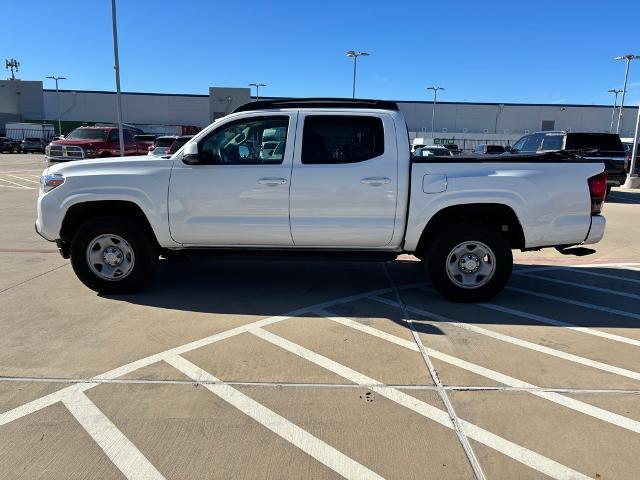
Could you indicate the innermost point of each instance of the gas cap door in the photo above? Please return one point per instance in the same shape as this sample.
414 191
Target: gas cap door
434 183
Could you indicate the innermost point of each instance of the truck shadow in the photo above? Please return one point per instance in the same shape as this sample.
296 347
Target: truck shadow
625 197
536 295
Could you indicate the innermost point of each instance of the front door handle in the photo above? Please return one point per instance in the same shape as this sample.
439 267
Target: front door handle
375 181
272 182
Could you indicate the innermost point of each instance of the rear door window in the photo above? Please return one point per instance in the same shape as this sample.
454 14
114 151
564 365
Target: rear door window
552 142
331 139
608 142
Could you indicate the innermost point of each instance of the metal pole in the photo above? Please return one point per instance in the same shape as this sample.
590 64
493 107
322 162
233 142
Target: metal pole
58 102
634 150
613 111
257 92
355 61
117 69
433 112
624 91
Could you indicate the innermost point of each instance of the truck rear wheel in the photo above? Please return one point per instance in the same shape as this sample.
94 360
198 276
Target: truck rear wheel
113 255
469 262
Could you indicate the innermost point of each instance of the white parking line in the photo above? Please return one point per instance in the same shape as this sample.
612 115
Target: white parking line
15 183
521 454
583 271
24 179
309 444
578 303
579 285
124 454
559 323
517 341
50 399
565 401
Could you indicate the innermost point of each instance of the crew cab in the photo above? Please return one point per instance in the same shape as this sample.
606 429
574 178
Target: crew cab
94 142
321 176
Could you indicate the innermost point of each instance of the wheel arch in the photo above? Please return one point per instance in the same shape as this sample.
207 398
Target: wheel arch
81 212
501 216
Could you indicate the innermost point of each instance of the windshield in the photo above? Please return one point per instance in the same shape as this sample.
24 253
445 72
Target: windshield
88 134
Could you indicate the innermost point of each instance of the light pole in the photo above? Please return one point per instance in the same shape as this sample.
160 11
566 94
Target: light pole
615 105
257 85
435 89
353 54
116 67
53 77
628 57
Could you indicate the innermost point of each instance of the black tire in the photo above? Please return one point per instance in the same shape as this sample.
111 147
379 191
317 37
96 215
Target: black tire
438 255
144 250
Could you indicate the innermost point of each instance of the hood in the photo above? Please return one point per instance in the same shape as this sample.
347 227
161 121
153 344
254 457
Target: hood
108 165
90 142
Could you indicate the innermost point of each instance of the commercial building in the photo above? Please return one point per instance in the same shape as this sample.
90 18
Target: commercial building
454 121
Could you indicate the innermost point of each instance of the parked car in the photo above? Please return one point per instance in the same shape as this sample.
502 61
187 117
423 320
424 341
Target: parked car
33 145
602 147
9 145
453 147
177 144
347 183
93 142
161 145
485 149
433 151
145 139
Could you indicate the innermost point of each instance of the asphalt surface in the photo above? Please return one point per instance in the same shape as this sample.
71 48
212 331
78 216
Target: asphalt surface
281 369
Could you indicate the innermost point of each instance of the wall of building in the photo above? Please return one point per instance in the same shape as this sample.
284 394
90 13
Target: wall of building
501 120
19 100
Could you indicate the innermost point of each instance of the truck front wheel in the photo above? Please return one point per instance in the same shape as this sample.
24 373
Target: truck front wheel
113 255
469 262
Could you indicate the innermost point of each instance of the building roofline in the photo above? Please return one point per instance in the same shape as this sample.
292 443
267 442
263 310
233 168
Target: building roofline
399 102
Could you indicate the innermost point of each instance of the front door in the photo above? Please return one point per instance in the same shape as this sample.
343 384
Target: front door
344 184
238 193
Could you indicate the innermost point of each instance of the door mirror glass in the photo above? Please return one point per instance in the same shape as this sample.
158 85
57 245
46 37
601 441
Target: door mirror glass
190 155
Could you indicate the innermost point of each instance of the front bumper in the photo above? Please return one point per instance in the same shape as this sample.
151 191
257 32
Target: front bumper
596 232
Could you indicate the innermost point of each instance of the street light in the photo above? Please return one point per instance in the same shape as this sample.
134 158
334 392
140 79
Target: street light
53 77
353 54
628 57
257 85
615 105
116 67
435 89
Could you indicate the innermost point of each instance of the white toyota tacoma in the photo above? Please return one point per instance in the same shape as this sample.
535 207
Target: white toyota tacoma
320 176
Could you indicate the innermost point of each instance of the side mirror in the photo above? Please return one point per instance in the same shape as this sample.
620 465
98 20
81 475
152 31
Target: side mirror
190 156
507 149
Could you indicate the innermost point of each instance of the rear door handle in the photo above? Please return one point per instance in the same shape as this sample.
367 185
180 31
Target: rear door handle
272 182
375 181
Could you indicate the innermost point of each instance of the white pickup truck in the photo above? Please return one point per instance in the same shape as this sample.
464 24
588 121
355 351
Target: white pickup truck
319 175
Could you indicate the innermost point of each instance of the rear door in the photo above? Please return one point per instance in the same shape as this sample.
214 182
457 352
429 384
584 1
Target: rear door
344 184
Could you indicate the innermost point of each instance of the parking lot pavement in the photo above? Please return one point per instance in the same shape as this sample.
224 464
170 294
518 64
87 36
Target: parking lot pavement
263 369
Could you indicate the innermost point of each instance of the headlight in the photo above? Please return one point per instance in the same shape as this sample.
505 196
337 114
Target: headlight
49 182
90 152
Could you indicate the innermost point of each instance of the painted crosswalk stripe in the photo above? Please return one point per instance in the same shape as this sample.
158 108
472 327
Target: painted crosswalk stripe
523 455
582 407
124 454
608 291
579 303
309 444
519 342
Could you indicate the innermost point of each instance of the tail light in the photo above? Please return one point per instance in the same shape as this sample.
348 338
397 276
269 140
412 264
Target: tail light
598 191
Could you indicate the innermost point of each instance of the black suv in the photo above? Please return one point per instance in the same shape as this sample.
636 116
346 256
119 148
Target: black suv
9 145
604 147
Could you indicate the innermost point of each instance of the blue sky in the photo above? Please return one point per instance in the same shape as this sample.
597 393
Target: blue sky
492 51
